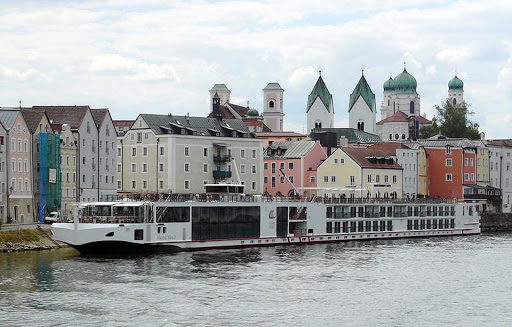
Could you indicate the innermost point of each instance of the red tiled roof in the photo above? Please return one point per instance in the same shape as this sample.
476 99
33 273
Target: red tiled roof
363 158
388 148
72 115
507 143
422 120
242 111
123 123
398 116
99 115
32 118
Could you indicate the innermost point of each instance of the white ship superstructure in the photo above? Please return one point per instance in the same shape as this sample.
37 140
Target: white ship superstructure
192 222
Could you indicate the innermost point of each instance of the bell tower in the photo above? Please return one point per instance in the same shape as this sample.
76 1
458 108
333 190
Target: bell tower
273 113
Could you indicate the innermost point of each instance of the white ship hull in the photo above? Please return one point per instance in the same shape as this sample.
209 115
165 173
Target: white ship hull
298 223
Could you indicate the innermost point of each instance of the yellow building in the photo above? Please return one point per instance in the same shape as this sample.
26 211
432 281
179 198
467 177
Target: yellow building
423 172
482 163
360 173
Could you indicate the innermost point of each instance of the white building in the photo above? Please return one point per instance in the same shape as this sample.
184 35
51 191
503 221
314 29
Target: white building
163 154
500 162
320 108
408 158
107 161
361 108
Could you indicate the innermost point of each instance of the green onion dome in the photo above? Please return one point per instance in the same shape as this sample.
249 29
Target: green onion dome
405 83
388 85
455 84
253 113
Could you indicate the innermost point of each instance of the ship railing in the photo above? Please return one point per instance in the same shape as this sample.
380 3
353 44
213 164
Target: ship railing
110 220
202 197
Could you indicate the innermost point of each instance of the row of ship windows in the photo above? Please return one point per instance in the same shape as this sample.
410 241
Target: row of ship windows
359 226
340 212
386 225
186 168
430 224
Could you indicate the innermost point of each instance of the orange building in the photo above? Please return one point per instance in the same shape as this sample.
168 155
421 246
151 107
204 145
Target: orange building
451 165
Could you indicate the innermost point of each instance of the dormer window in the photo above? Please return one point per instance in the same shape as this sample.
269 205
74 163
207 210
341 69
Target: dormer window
448 149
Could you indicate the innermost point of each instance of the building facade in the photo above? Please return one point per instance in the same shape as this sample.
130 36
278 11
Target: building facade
298 161
360 173
164 154
20 207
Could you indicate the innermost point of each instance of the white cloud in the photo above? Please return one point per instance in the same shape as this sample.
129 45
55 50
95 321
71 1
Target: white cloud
118 65
25 75
302 75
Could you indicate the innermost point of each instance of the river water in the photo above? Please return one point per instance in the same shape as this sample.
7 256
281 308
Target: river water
453 281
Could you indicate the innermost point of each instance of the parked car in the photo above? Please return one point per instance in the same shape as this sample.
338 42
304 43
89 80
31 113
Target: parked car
52 217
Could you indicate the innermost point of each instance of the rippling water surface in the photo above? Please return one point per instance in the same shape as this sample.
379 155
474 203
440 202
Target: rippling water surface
459 281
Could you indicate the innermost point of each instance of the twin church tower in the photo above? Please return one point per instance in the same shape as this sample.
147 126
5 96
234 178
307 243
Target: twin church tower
400 108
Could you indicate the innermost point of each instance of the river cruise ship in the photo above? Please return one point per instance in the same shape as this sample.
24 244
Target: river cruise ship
223 219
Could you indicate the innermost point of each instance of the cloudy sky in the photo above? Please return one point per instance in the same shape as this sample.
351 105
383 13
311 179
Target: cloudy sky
150 56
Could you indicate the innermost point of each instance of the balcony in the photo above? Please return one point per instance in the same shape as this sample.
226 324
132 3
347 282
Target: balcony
221 174
221 158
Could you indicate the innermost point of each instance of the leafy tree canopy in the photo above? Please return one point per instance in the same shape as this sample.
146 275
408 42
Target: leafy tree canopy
452 120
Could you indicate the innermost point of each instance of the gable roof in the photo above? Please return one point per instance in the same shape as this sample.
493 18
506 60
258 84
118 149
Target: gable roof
72 115
370 158
289 149
99 116
398 116
362 89
422 120
123 123
8 116
201 126
241 110
389 148
320 90
33 118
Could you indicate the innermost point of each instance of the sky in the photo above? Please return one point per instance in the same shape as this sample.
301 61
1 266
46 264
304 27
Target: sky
151 56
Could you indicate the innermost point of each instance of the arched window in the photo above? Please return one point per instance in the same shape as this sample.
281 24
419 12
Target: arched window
390 136
320 125
271 104
362 126
403 136
358 126
388 102
454 101
411 107
397 136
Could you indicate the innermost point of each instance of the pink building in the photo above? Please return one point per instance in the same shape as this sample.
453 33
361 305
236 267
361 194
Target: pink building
19 170
298 160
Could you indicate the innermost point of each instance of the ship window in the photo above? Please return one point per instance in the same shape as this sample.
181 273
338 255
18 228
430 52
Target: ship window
138 234
172 214
109 234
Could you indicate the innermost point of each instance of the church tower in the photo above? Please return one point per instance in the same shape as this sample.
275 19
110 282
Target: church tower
361 107
320 109
273 107
456 90
222 92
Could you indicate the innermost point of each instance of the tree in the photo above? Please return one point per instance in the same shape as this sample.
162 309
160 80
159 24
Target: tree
452 120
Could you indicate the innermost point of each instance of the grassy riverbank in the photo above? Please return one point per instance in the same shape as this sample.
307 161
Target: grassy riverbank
27 240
